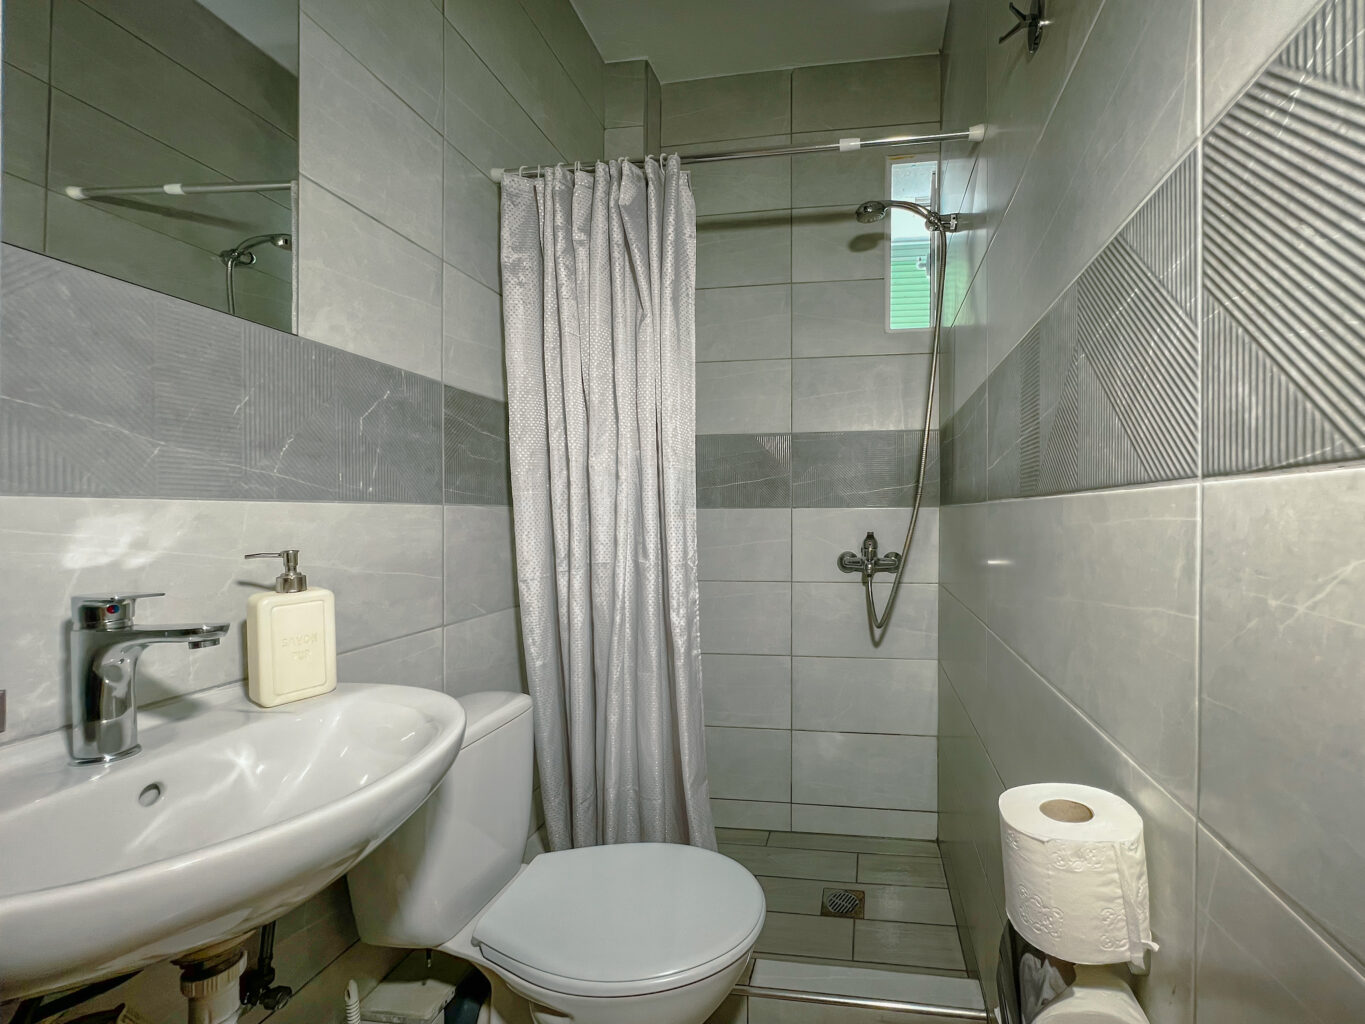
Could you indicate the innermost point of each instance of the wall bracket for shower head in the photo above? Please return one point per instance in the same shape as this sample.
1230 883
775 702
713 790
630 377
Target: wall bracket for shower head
1031 23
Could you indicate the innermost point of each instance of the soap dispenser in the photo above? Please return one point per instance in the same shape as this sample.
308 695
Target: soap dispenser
290 637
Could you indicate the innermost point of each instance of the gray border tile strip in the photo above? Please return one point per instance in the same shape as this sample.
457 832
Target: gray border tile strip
112 390
839 469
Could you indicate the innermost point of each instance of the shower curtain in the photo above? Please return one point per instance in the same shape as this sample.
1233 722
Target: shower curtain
598 274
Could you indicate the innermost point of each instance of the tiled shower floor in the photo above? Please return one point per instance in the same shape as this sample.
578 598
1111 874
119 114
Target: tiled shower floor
908 920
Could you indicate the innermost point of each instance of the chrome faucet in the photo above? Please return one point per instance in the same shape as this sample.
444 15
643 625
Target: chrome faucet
105 647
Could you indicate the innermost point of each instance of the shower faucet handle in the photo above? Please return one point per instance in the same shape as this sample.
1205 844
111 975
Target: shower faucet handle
867 561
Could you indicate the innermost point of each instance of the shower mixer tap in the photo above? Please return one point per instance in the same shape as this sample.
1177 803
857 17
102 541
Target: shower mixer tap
867 563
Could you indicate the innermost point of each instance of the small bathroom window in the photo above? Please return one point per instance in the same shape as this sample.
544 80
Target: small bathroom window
909 295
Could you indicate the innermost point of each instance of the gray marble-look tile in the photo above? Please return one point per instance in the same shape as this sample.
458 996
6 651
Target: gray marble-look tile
849 178
1118 568
747 690
848 318
471 220
485 654
627 142
746 618
830 620
861 469
744 471
744 323
854 844
744 249
25 212
1283 638
966 549
870 92
737 186
742 836
476 453
860 770
964 453
389 428
962 652
623 94
563 29
834 865
859 393
750 395
731 107
416 660
472 319
805 935
819 536
865 821
479 561
911 945
744 544
749 764
365 288
377 559
25 126
28 30
895 870
751 814
864 695
827 244
400 43
1238 39
1260 962
362 143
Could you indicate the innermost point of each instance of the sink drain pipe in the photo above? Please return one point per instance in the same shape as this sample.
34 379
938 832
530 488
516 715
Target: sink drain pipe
210 979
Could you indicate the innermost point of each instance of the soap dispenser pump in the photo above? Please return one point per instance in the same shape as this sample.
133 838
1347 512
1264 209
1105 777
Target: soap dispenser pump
290 637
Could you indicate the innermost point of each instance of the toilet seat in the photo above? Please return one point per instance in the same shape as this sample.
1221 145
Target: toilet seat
622 920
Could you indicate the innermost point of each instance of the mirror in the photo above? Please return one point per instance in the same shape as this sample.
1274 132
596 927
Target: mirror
104 96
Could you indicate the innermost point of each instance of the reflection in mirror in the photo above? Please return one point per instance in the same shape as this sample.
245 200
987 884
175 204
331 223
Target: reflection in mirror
107 101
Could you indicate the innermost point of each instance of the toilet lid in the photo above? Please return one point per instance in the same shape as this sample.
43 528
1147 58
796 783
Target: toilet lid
603 916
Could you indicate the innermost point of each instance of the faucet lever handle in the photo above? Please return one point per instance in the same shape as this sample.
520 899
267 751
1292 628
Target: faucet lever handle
106 611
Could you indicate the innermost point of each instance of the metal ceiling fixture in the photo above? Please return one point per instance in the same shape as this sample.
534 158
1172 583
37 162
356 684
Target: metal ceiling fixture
1032 23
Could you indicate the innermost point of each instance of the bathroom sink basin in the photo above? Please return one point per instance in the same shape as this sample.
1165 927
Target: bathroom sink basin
231 816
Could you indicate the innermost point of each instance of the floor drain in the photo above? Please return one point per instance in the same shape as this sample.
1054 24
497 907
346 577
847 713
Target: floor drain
842 903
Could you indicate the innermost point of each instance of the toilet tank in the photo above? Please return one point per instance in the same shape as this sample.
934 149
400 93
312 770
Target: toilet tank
432 876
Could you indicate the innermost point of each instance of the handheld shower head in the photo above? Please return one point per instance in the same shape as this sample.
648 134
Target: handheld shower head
875 209
870 212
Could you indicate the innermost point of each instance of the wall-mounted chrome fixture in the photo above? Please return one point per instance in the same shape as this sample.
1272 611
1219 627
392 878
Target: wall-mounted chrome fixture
1032 24
866 561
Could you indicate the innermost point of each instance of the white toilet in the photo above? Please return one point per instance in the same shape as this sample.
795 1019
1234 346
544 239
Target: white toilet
604 935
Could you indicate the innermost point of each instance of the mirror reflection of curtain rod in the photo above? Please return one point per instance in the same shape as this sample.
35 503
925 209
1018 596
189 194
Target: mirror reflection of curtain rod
975 133
175 188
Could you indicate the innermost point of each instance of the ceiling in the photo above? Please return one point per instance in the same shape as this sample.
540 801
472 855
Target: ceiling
701 38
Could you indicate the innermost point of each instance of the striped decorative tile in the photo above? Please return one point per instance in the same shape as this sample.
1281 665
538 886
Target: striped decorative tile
1284 328
744 471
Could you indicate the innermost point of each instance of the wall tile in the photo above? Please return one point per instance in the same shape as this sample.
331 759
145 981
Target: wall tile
25 210
476 453
864 695
748 690
744 249
472 322
736 186
744 544
865 92
1238 40
480 576
848 318
746 618
819 536
485 654
364 144
25 126
827 244
471 220
962 653
1118 569
390 439
733 107
28 29
1283 635
744 471
744 323
866 468
785 863
623 101
849 178
364 288
416 660
1259 962
749 764
573 47
830 620
751 814
400 43
378 559
860 393
744 396
864 821
627 142
858 770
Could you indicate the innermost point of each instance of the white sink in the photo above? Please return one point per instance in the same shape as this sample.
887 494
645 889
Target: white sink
230 816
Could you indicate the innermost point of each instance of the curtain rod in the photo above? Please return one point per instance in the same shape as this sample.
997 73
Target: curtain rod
175 188
975 133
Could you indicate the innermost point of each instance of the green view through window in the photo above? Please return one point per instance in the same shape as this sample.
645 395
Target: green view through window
909 294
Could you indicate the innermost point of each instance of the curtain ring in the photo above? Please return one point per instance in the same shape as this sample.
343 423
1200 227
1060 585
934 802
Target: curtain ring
521 171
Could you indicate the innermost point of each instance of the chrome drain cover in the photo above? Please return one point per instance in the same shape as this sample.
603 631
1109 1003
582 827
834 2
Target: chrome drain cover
842 903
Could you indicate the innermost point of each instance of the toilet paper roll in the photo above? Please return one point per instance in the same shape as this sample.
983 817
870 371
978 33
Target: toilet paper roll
1076 873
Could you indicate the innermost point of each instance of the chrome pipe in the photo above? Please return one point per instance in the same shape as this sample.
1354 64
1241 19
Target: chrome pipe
788 995
174 188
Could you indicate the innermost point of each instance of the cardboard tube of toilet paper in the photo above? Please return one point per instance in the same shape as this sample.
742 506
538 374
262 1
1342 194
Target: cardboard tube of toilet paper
1076 873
